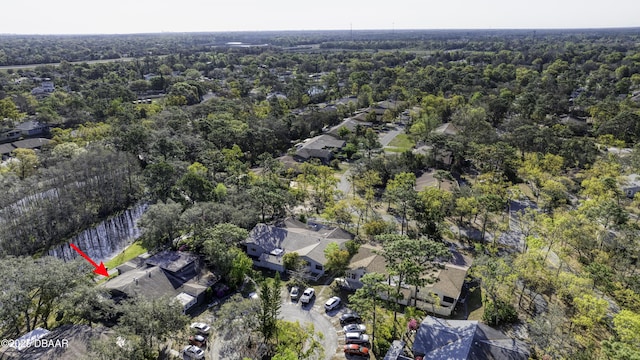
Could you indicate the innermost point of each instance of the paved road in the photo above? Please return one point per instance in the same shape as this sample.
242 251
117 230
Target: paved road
322 322
387 137
344 185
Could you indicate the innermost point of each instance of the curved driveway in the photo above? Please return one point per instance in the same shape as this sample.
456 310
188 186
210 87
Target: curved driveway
322 322
326 323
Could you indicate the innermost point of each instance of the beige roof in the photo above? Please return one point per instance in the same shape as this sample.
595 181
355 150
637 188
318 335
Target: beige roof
367 259
446 129
449 280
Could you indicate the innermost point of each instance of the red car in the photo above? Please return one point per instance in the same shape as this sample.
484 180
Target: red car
355 349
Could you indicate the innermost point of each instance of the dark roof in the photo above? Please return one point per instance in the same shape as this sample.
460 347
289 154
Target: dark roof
34 143
6 149
173 261
440 339
167 273
31 125
319 147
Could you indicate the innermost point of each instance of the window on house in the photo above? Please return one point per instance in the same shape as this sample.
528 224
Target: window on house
447 299
318 267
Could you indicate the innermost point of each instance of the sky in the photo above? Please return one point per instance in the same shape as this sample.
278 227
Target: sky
152 16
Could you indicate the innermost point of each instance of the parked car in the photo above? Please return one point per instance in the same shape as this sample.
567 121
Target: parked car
355 349
356 338
294 293
350 318
332 303
343 284
193 352
354 328
198 340
213 303
201 328
307 295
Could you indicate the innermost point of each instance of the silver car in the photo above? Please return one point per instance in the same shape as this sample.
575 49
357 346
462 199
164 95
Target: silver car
356 338
359 328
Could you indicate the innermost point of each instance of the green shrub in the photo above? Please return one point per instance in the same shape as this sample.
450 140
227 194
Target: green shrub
499 313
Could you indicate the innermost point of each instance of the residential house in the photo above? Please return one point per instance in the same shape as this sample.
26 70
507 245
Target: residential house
34 143
440 298
46 87
321 147
441 339
349 124
33 128
168 273
8 135
267 244
631 186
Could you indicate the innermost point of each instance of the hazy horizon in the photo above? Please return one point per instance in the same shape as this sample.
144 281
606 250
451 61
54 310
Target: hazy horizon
74 17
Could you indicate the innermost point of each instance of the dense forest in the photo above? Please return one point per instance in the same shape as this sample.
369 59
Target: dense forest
547 118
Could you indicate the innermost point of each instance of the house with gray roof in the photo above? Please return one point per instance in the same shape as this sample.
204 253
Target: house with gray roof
441 339
321 147
168 273
33 128
267 244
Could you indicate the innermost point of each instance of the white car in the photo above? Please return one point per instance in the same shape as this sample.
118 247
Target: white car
307 295
332 303
193 352
360 328
356 338
201 327
295 293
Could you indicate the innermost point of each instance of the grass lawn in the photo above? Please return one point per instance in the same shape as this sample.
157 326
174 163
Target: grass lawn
129 253
402 141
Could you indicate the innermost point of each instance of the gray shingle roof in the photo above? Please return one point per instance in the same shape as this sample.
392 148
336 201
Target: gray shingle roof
440 339
293 238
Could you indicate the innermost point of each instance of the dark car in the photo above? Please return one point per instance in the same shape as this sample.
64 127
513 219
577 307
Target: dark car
350 318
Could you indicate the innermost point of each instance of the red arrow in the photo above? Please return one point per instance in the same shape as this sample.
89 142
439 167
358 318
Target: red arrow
100 269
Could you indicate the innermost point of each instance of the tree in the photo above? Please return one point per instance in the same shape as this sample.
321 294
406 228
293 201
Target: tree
9 110
31 295
589 316
152 320
498 280
411 261
400 190
337 259
26 163
271 302
220 247
298 342
160 224
241 267
366 299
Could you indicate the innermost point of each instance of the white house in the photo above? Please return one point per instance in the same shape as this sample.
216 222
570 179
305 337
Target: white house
267 244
